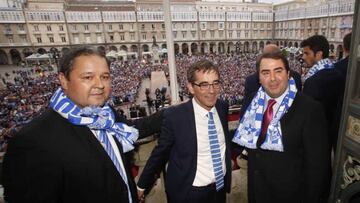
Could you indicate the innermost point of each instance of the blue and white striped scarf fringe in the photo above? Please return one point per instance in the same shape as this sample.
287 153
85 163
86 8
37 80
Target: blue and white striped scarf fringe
249 128
322 64
99 119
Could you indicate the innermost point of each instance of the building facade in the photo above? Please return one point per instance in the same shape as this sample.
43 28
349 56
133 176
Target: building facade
134 28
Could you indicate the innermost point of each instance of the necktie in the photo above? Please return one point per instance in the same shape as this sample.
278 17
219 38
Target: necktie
266 121
103 137
215 153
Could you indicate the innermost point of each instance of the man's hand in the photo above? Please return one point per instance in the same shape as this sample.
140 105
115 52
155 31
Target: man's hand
141 196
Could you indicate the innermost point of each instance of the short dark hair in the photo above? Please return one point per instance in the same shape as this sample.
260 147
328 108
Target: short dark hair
67 61
317 43
347 41
201 65
273 55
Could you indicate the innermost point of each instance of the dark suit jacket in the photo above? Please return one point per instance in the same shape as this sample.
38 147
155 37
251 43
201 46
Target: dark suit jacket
300 173
51 160
252 83
325 87
178 146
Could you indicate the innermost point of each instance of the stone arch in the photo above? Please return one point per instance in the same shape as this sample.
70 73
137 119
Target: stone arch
212 45
185 48
204 48
3 58
268 42
113 48
145 48
332 47
65 50
15 56
246 47
176 48
230 47
124 48
133 48
27 52
101 49
41 51
290 44
296 44
221 48
194 48
261 45
277 43
254 47
163 46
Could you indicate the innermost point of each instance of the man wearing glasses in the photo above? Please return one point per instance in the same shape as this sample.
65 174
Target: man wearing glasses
195 141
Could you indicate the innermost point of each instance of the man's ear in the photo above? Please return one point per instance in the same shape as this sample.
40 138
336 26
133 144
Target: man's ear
319 55
63 81
190 88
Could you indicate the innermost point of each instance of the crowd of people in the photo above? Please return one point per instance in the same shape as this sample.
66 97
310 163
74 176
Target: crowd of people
29 93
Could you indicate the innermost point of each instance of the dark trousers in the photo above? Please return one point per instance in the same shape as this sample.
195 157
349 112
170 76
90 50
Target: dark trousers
206 194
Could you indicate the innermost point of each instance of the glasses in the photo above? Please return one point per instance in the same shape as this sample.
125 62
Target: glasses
205 85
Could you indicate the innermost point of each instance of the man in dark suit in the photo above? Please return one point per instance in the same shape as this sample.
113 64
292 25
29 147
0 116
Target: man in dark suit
321 81
284 133
195 142
75 151
341 67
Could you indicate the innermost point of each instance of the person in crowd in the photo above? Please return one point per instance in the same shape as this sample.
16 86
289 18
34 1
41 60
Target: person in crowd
321 81
341 67
195 141
284 133
78 149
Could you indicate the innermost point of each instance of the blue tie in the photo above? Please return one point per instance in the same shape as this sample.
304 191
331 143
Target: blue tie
215 153
110 151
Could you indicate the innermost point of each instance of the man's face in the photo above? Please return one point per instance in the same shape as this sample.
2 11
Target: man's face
273 77
89 82
205 97
310 58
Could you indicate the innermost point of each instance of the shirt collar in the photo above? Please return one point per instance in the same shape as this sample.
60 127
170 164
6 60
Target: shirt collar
200 110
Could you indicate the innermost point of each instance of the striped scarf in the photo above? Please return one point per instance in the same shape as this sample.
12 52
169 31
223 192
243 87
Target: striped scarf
249 128
322 64
99 119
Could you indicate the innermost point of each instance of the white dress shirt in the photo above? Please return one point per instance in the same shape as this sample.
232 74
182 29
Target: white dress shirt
204 169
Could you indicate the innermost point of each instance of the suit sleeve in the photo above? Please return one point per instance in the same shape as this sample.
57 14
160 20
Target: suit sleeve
30 173
159 156
317 155
147 126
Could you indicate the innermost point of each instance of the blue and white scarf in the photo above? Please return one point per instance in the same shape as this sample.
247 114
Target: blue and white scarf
249 129
99 119
322 64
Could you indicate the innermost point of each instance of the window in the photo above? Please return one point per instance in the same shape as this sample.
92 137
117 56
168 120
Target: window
203 25
110 27
121 27
212 33
74 27
238 34
164 36
111 37
184 35
230 34
36 28
142 26
153 26
163 26
51 39
48 27
61 28
175 34
221 25
132 36
39 39
86 27
144 36
10 39
63 39
238 25
122 37
203 34
193 34
21 27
